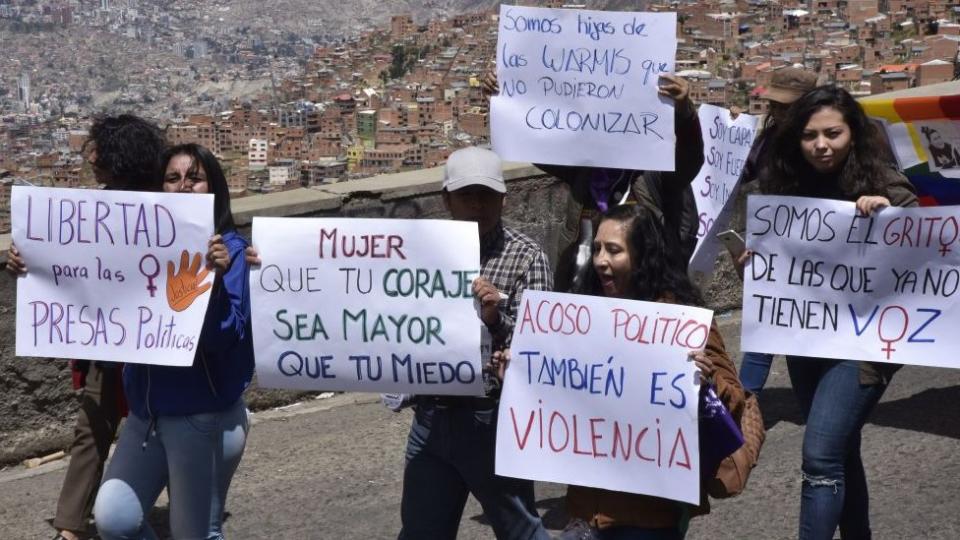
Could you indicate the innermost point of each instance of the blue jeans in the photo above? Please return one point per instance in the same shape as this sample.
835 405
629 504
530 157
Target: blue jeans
835 406
194 457
754 370
450 454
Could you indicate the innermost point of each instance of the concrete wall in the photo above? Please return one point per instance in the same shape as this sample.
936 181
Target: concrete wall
38 406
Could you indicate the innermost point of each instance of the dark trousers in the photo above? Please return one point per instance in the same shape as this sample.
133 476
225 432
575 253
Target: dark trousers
96 427
450 454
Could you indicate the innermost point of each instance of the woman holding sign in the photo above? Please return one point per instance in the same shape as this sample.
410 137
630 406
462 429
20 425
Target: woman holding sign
828 148
633 258
123 151
188 425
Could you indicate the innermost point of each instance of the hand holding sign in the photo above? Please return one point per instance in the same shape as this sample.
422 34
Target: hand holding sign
217 254
676 88
252 256
489 83
489 297
15 265
704 365
868 203
498 363
187 285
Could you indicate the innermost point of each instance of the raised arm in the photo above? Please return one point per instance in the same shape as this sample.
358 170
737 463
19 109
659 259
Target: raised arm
228 314
538 277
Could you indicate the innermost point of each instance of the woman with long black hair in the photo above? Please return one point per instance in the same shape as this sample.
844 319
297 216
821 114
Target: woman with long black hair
633 258
828 148
188 425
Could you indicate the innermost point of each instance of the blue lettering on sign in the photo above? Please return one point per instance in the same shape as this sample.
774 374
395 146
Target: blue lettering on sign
599 378
292 364
634 28
580 89
519 23
512 87
896 331
610 61
606 122
409 371
934 313
656 389
593 28
512 59
856 319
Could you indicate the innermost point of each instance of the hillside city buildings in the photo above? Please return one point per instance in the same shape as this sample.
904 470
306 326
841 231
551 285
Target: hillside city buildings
284 111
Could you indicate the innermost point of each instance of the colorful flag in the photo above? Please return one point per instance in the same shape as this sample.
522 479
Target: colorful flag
924 133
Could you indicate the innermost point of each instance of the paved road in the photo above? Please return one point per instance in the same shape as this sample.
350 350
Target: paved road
333 469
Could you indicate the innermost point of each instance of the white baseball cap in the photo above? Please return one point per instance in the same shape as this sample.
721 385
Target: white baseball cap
474 166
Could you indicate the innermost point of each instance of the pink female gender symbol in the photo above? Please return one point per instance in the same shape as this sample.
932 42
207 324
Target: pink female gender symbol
890 341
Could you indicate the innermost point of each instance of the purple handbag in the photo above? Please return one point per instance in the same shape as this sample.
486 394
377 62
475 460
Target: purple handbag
720 435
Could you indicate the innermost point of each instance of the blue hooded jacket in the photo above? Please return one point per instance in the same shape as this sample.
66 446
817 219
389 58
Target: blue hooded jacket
223 365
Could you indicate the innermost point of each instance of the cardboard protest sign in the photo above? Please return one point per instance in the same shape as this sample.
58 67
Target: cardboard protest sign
924 134
599 392
825 282
579 87
727 143
370 305
112 275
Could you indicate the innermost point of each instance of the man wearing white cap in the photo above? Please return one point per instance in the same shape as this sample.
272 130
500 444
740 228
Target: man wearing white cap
452 442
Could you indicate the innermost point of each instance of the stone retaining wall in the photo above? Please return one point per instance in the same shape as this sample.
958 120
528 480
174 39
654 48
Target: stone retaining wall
38 406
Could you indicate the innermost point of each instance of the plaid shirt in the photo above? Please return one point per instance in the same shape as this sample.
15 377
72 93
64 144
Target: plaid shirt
512 262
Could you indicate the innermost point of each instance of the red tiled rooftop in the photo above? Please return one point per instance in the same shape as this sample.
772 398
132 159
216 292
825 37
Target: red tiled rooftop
897 68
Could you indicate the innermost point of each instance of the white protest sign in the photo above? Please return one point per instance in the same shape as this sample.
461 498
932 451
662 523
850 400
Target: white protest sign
599 392
579 87
112 275
727 143
827 283
901 141
370 305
